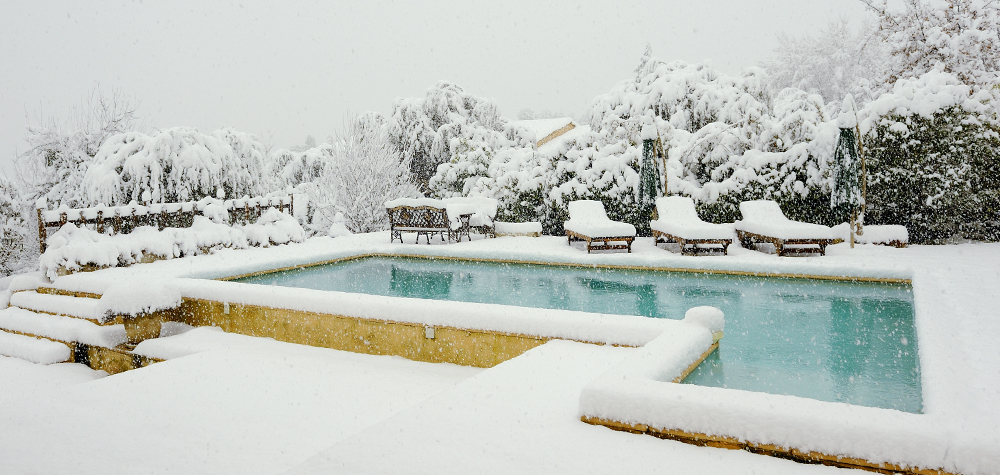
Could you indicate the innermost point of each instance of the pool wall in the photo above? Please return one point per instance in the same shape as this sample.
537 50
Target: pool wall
434 344
481 335
639 396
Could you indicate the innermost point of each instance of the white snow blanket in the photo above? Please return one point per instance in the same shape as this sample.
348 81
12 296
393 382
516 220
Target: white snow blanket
137 298
587 217
874 234
764 217
677 217
62 328
519 229
273 228
35 350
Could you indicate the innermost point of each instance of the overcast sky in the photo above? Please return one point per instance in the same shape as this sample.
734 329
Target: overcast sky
285 70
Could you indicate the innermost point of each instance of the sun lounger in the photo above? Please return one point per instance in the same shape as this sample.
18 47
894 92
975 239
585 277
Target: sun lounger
763 221
679 222
589 222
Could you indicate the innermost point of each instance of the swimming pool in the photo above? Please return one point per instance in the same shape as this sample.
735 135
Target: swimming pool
833 341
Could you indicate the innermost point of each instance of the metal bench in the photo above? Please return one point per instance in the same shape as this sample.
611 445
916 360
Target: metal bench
423 220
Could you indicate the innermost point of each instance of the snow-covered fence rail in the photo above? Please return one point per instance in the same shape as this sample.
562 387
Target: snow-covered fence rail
123 219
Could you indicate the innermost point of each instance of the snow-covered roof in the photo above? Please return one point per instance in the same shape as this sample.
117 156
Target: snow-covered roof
543 127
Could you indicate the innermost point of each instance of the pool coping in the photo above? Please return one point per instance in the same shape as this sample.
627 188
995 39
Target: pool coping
691 270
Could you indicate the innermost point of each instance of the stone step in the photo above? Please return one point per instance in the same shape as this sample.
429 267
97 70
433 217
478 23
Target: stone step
101 347
76 307
34 349
61 328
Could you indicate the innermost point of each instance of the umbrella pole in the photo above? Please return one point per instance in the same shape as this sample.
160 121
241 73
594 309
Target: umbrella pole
854 216
663 156
864 176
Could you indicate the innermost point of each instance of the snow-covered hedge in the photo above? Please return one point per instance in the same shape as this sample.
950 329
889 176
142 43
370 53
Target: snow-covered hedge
933 146
74 248
176 164
13 228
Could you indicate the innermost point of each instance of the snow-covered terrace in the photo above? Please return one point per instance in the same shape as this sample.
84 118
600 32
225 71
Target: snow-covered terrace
230 403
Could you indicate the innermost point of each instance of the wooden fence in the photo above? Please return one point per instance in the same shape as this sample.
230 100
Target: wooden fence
124 219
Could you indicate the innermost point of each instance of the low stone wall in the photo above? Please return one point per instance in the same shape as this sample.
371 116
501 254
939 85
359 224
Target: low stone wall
479 348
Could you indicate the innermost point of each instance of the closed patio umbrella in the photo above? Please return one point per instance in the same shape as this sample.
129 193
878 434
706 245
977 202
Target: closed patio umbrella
847 198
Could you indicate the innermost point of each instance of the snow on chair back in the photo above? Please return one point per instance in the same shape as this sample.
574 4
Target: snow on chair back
762 211
587 210
676 208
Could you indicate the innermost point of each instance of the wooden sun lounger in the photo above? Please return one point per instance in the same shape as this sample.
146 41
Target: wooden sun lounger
815 246
693 250
572 236
765 216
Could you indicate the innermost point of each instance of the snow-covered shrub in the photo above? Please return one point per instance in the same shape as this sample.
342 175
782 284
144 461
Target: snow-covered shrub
423 128
294 168
300 172
366 171
59 153
13 228
173 165
73 248
955 36
933 146
842 58
273 228
251 155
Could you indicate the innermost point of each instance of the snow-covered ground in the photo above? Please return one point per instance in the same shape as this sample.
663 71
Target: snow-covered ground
230 403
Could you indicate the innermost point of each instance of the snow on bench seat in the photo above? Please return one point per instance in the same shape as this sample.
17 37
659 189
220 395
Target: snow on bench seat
35 350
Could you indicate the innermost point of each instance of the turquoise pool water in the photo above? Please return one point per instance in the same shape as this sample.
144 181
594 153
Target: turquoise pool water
832 341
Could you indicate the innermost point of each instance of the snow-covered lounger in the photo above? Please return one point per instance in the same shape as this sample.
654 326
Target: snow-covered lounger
589 222
763 221
679 222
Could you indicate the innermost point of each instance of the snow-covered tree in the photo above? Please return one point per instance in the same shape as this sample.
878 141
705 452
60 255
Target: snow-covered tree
840 59
59 153
171 165
251 153
961 37
292 168
366 171
422 128
13 228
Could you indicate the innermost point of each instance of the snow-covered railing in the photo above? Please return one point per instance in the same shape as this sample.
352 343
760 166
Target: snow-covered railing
123 219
